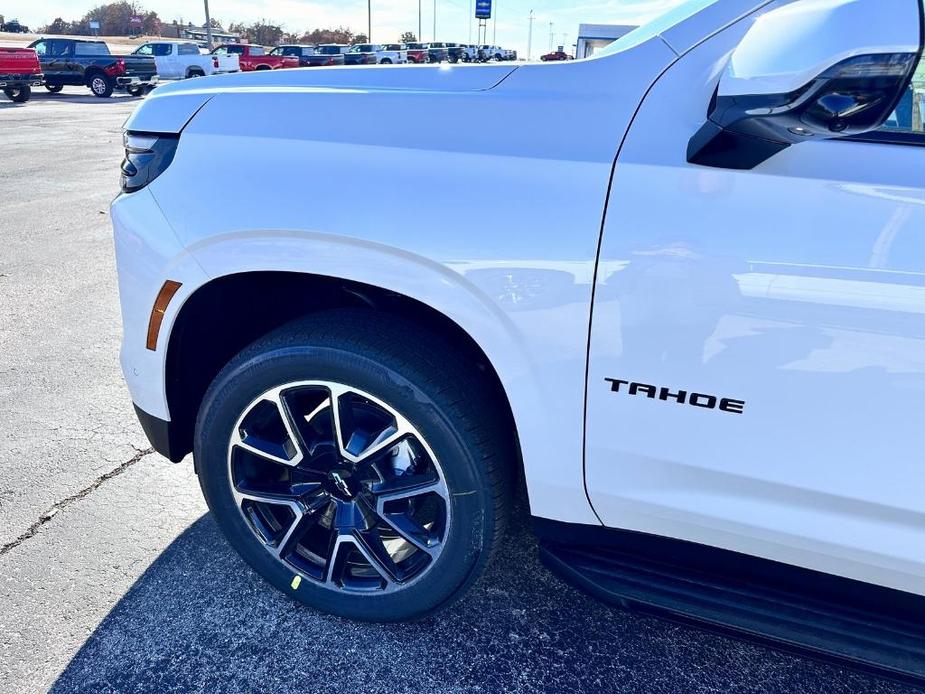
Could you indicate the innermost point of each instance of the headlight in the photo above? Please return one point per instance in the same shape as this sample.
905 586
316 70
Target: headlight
147 156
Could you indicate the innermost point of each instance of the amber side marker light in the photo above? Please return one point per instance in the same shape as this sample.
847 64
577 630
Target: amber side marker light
164 297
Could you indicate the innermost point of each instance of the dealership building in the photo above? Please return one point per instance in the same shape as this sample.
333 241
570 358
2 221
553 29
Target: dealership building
594 37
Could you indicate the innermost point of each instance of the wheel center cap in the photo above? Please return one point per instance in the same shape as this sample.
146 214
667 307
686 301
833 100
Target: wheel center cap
344 483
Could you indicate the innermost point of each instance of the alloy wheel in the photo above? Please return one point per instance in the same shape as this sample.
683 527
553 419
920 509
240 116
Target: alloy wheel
339 486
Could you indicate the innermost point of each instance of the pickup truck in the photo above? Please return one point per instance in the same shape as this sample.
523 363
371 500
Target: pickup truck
456 52
437 52
84 62
309 56
493 53
417 52
471 53
377 53
361 55
19 72
252 57
335 51
393 53
177 60
698 347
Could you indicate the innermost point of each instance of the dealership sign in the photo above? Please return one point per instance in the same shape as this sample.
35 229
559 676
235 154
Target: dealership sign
483 9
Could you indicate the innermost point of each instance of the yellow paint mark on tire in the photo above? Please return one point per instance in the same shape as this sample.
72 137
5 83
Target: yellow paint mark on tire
296 582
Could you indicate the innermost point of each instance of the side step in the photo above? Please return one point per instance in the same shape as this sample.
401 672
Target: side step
885 636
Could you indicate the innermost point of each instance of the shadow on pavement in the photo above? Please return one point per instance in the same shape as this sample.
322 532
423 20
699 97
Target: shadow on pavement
40 95
200 620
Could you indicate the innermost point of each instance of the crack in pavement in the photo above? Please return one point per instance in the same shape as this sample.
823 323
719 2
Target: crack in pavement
33 529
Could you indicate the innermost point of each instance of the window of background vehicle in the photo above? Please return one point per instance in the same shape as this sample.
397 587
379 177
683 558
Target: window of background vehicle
144 50
187 49
161 49
40 48
257 50
87 48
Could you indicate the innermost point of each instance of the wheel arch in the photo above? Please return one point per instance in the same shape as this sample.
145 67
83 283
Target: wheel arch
202 339
93 72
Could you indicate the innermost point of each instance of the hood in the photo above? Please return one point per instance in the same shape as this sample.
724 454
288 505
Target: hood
170 107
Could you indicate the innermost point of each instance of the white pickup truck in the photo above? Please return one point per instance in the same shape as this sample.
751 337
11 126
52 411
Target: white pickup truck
177 60
699 342
388 54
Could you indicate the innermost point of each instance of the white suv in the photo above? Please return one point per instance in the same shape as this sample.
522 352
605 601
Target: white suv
699 341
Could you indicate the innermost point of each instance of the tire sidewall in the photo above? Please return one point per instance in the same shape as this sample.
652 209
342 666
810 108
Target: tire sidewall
471 528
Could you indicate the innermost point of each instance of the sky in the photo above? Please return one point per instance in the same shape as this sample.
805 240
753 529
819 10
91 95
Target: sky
390 17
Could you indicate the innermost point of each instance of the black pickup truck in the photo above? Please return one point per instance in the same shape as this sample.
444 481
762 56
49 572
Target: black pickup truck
80 62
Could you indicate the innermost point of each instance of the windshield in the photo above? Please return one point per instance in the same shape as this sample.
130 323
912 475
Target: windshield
657 25
330 50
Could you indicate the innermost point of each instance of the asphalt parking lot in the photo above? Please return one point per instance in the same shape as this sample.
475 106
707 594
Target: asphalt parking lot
114 578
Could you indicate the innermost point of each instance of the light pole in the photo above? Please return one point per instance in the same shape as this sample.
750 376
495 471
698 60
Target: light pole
208 24
420 29
435 20
494 36
551 37
530 39
470 22
369 14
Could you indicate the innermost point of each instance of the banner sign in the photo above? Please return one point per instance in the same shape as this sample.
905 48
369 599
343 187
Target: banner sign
483 9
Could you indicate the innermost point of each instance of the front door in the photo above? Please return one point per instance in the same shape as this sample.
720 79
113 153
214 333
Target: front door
757 363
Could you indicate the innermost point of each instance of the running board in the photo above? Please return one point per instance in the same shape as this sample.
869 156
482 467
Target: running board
888 642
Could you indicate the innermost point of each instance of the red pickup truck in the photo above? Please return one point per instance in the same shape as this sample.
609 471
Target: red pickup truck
19 72
253 57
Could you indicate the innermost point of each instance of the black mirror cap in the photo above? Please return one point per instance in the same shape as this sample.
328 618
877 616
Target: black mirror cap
851 98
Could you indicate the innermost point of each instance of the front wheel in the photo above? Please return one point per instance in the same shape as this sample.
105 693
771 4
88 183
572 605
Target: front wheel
357 465
19 95
101 86
386 61
54 88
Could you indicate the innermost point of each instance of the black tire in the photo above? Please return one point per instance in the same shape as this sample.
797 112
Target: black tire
386 61
420 375
135 91
54 88
19 95
101 85
195 73
262 67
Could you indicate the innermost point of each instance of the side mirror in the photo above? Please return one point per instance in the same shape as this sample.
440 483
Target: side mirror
813 69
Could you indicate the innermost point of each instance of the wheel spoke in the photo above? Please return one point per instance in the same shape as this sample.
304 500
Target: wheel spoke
371 546
407 486
343 422
413 532
333 569
294 535
267 498
274 397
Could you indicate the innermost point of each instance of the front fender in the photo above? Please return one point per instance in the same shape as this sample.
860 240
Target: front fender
467 293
